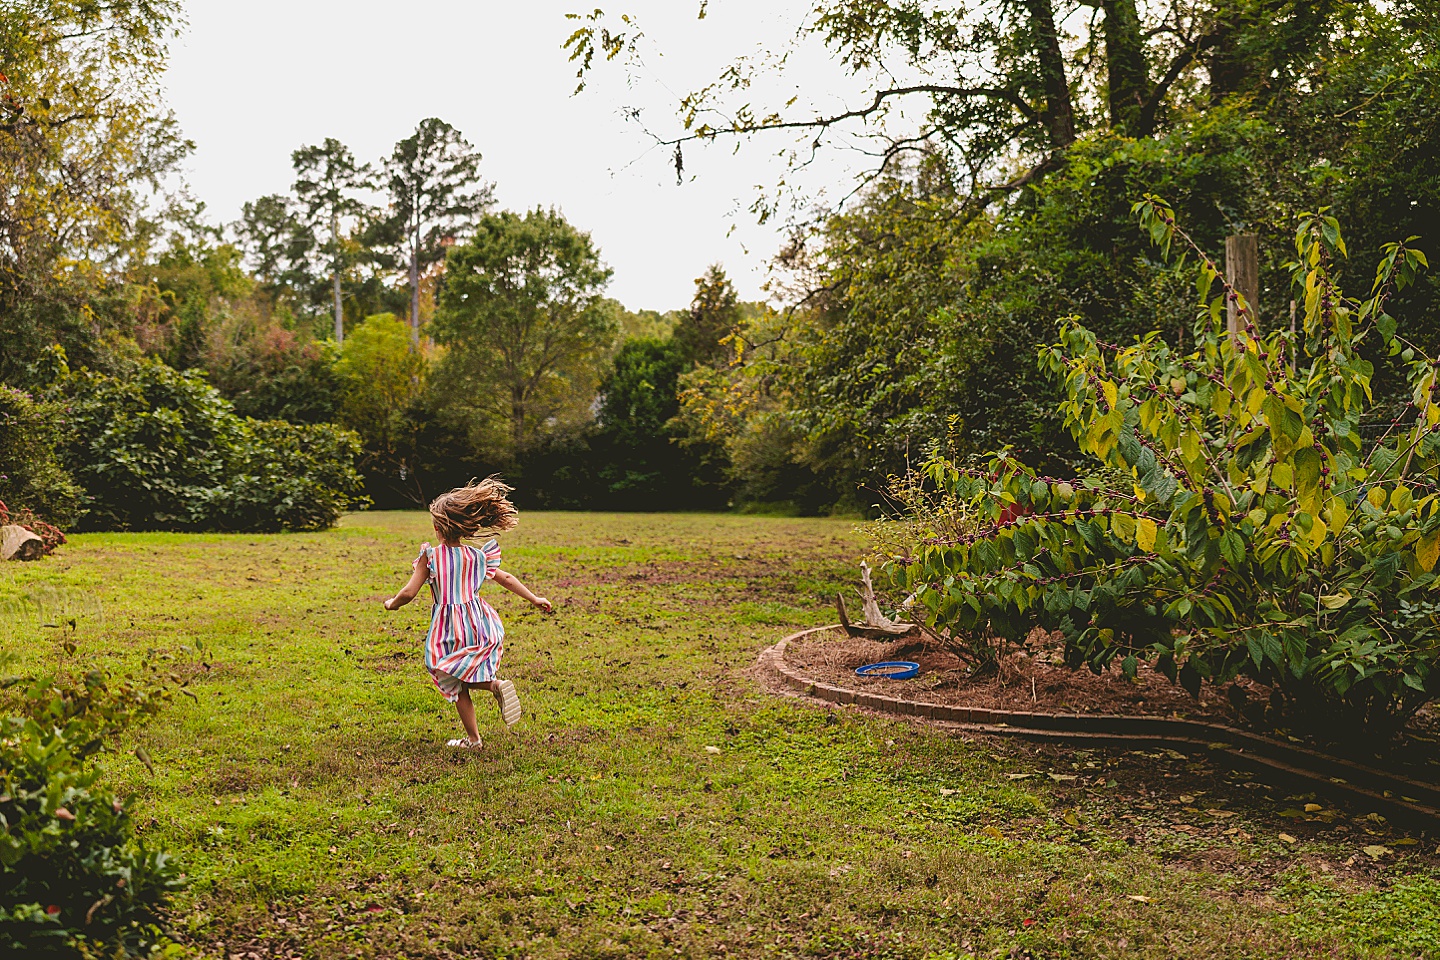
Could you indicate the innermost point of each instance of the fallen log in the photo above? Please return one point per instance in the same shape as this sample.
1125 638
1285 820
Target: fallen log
17 543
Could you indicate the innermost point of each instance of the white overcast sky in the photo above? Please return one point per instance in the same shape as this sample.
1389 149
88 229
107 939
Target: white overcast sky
249 82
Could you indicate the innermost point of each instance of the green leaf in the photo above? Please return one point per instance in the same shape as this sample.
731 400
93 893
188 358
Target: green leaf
1232 548
1190 679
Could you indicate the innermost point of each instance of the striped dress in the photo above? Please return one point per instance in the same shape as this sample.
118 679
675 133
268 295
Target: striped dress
466 637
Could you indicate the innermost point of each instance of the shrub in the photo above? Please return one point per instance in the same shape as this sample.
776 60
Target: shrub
74 881
1252 529
31 477
160 449
269 371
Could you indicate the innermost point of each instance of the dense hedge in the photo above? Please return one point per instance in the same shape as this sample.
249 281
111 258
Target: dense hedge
31 477
158 449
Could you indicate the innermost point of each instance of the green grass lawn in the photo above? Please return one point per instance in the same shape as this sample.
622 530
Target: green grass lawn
657 799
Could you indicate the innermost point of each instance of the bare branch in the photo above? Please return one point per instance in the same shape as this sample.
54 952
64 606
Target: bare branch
823 123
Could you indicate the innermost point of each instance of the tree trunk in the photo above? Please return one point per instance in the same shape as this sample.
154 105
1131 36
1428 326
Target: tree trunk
415 295
517 419
1058 113
1127 74
1230 71
339 310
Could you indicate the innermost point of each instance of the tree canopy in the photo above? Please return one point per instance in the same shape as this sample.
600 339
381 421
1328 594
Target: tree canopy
522 317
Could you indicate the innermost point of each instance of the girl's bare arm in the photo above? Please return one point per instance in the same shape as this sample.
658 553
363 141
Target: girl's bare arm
513 584
421 573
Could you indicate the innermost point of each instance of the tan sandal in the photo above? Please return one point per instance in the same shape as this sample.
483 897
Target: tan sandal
509 702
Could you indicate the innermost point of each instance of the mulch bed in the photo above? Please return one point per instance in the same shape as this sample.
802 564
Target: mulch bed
1034 678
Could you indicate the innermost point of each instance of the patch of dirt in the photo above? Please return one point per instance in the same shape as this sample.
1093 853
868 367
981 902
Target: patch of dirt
1033 680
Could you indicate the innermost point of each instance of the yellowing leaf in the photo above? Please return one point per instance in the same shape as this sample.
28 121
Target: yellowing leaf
1335 601
1377 497
1401 499
1112 394
1307 478
1146 530
1190 445
1336 514
1123 526
1286 838
1427 550
1282 474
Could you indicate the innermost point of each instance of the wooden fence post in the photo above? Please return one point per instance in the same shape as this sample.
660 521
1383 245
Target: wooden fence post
1242 268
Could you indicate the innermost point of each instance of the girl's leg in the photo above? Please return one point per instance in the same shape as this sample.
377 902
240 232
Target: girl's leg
466 709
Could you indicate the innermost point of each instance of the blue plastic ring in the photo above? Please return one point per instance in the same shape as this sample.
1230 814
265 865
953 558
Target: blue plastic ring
890 670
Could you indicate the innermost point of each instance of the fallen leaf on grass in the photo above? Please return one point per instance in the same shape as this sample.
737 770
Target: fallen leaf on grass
1286 838
1404 842
1063 777
993 832
1018 776
712 749
947 792
1137 897
1313 808
1220 813
1375 852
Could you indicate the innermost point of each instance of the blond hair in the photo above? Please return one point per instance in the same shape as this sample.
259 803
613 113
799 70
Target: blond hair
479 505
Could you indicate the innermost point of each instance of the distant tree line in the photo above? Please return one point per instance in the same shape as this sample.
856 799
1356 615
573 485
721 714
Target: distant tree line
391 299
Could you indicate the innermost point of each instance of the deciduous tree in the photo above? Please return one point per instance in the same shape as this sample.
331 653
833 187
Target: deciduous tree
522 317
82 133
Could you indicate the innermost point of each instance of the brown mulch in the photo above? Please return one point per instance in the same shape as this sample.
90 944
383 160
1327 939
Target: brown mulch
1033 678
1030 679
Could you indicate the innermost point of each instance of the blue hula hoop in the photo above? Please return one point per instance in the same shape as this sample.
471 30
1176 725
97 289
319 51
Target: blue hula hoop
889 670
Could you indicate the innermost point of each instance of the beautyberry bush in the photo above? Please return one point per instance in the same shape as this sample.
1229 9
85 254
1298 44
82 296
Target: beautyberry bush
1242 517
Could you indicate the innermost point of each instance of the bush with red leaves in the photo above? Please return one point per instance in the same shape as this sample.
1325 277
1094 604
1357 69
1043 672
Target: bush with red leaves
48 533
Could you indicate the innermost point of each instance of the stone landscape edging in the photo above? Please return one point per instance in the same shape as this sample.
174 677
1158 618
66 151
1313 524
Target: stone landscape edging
1398 797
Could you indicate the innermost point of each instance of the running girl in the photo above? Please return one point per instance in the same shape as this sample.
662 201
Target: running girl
466 638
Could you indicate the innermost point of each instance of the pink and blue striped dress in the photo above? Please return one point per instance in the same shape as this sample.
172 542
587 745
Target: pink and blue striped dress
466 636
